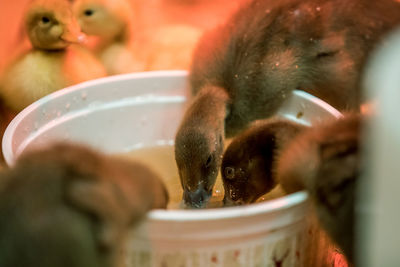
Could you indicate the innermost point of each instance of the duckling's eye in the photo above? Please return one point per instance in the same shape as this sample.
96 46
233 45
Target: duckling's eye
45 20
327 54
208 162
229 172
88 12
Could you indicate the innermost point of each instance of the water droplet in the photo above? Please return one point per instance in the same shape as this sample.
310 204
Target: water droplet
297 66
267 11
277 64
247 77
299 114
318 8
236 76
66 136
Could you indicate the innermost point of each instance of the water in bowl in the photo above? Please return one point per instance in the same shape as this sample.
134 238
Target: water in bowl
161 160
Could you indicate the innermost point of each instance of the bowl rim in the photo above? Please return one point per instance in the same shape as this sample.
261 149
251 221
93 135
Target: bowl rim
250 210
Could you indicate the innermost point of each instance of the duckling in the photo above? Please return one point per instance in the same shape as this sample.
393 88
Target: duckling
123 48
111 24
323 159
262 53
248 164
326 161
54 61
69 206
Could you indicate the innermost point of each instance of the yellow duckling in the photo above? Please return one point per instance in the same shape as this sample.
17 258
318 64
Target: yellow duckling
125 47
110 23
53 61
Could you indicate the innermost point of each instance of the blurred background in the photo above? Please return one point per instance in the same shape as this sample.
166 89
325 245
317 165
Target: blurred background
151 14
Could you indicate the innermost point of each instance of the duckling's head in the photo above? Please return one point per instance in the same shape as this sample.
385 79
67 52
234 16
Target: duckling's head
246 167
198 154
249 164
107 19
51 25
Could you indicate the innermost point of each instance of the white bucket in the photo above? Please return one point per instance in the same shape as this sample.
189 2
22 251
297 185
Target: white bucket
119 113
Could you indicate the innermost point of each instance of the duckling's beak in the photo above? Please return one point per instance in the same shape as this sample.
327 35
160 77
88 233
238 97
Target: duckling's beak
228 202
198 198
72 34
73 37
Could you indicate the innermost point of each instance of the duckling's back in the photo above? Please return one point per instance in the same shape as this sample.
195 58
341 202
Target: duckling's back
269 48
38 227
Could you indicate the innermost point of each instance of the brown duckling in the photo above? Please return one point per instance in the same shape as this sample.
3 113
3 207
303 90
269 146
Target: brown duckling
69 206
323 159
54 61
326 161
254 61
248 165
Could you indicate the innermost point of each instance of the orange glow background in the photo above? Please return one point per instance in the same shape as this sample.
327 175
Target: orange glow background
10 19
152 13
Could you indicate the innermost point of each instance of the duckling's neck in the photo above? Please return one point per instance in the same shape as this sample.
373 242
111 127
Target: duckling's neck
59 51
209 109
122 38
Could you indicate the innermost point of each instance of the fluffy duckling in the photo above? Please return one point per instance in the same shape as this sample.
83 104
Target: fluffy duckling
111 25
248 165
323 159
120 45
263 52
69 206
53 62
326 161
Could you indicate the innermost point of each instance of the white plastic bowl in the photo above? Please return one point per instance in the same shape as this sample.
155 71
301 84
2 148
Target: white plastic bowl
120 113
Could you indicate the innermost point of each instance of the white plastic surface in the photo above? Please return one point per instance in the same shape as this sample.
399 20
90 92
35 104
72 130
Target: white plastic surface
377 209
